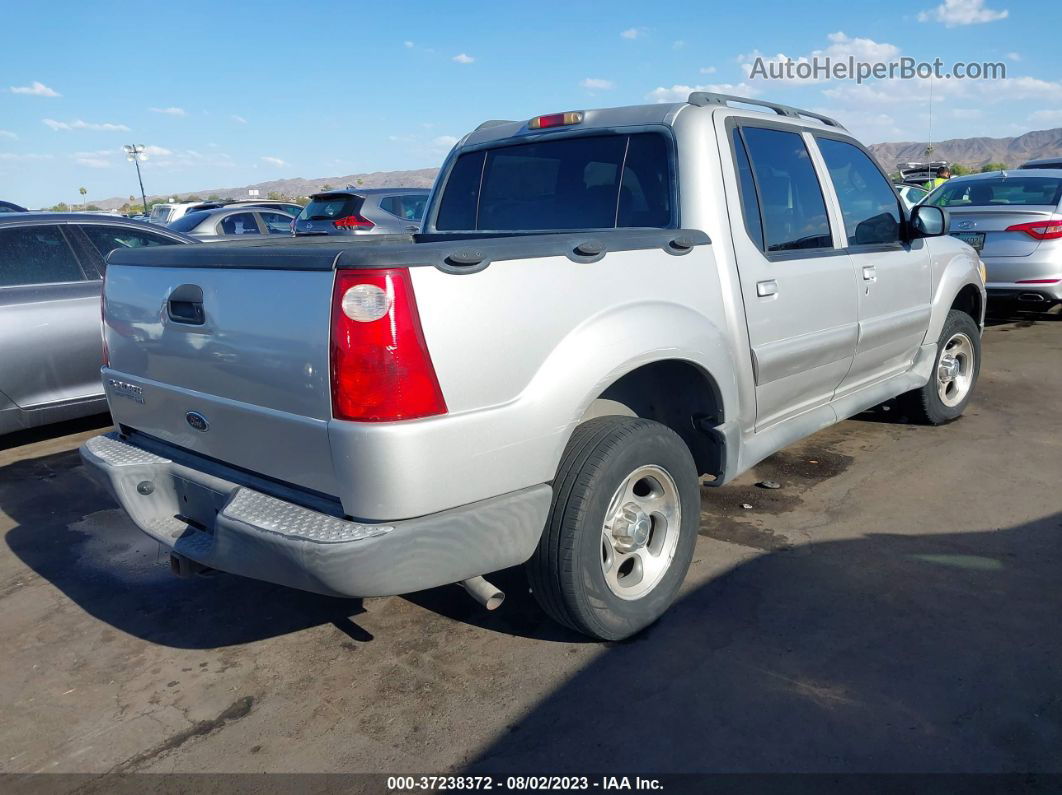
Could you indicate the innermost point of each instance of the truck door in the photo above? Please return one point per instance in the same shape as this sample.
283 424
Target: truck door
797 283
894 279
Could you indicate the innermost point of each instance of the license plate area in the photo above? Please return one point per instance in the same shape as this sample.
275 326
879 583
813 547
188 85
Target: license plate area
975 239
197 505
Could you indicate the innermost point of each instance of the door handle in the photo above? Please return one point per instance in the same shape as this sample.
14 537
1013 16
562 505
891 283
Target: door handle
870 273
764 289
185 305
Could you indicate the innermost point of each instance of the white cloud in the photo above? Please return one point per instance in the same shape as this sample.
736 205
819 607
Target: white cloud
170 111
462 58
913 92
678 45
78 124
1014 56
632 33
597 84
408 45
680 93
8 134
238 119
18 156
1050 117
93 162
707 70
954 13
445 142
274 161
157 151
37 89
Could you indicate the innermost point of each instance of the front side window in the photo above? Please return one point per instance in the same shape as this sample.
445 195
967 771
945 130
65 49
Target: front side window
408 207
794 211
575 182
871 214
238 224
107 238
36 255
276 223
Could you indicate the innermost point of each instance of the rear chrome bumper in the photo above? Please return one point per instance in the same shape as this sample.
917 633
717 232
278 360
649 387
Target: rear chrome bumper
233 528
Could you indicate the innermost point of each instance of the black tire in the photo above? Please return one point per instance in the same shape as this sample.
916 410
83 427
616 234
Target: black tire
566 573
925 405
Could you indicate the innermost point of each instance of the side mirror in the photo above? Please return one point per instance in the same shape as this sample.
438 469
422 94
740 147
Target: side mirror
929 221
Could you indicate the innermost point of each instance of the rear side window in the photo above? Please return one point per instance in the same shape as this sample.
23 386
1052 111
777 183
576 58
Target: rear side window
107 238
794 212
999 192
329 207
871 213
407 207
36 255
160 214
276 223
585 182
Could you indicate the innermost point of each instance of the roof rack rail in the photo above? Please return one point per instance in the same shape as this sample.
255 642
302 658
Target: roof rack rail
702 98
494 123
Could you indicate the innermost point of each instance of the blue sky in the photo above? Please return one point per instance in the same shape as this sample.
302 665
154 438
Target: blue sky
227 94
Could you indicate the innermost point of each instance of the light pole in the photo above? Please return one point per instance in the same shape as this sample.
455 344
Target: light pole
135 153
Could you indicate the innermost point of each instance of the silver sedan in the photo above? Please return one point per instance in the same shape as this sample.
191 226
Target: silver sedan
228 223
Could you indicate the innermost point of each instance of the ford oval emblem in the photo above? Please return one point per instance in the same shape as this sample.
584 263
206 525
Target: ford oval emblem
197 421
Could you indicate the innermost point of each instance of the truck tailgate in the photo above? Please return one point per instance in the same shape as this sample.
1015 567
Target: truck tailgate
243 378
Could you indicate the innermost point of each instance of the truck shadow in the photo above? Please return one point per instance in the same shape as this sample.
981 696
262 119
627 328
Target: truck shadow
72 534
903 653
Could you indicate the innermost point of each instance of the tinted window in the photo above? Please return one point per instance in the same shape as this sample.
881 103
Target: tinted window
276 223
36 255
408 207
794 213
998 192
160 214
189 221
238 224
107 238
327 207
871 214
586 182
750 206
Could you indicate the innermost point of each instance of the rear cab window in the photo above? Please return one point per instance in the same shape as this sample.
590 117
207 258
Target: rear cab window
602 181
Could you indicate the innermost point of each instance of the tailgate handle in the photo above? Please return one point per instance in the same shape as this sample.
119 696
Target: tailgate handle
185 305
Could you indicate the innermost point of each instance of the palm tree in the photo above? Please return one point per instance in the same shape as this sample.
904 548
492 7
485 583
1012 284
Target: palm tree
83 192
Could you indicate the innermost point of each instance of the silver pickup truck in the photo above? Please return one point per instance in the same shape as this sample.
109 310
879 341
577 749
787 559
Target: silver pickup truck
604 310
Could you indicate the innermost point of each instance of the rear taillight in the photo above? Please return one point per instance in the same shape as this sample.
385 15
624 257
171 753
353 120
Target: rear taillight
1041 230
353 221
381 369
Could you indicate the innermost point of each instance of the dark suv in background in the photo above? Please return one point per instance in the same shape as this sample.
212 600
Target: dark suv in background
357 211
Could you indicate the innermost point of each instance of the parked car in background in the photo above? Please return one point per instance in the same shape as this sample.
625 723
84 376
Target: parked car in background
288 207
918 174
604 306
51 265
234 222
357 211
164 214
1013 220
911 194
1045 162
11 207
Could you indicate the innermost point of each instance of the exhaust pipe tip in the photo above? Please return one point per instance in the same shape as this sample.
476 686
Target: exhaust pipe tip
483 592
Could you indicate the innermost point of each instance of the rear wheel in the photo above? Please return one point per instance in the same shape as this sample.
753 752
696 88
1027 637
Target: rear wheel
955 373
622 526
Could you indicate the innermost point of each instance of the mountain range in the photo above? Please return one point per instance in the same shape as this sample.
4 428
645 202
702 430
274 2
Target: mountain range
971 152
